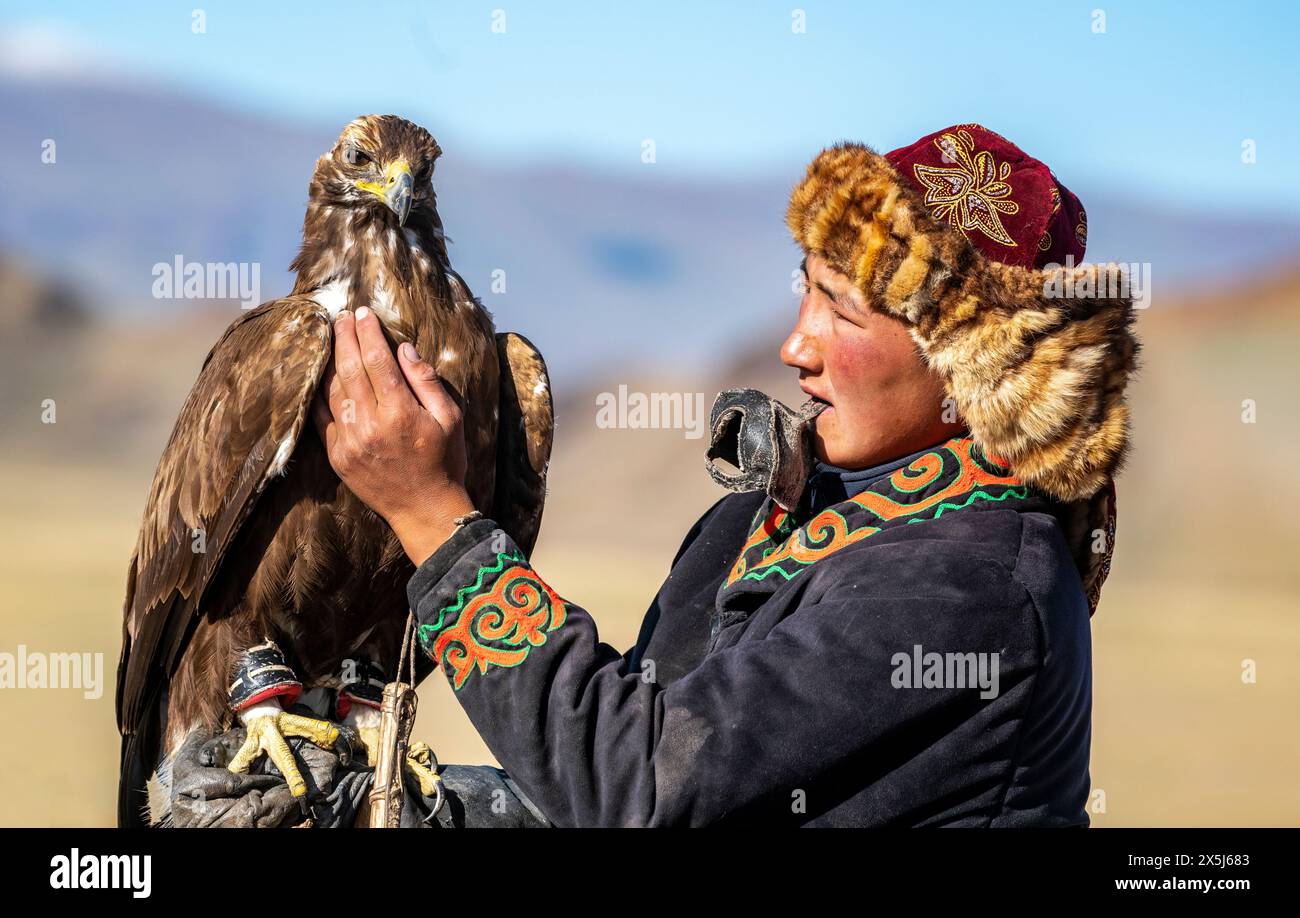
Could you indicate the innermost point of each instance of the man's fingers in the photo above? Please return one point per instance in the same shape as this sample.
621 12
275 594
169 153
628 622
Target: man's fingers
347 362
385 379
426 385
275 807
342 408
220 782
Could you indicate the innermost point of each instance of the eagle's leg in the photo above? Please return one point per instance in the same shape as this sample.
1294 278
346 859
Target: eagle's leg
360 701
263 681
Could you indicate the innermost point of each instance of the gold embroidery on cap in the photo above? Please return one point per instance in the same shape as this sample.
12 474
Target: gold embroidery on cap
971 193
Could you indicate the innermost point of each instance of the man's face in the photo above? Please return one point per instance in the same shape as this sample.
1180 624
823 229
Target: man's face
883 401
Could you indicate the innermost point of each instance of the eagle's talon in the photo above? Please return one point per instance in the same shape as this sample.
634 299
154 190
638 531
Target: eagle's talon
420 760
321 732
267 734
424 766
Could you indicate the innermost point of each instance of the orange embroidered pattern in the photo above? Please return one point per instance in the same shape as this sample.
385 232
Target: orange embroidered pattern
775 546
496 628
971 193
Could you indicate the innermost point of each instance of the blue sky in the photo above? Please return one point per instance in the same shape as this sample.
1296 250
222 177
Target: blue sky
1159 104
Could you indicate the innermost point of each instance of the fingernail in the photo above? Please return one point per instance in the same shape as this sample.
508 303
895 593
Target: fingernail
363 312
341 314
409 352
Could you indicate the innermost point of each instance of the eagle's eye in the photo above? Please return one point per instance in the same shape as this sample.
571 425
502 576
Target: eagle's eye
354 156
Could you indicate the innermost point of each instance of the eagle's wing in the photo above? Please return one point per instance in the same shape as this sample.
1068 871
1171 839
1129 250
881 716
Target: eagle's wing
524 433
236 431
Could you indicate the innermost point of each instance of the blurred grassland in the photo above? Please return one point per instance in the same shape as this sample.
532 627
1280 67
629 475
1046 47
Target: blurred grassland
1205 574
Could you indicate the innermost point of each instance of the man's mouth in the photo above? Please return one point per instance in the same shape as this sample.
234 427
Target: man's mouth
814 406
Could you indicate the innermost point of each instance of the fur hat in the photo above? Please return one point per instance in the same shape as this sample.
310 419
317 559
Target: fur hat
1035 356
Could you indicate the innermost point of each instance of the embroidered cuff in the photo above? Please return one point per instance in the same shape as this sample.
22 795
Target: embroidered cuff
480 605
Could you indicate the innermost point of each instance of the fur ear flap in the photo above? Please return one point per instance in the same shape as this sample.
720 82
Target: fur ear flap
1037 362
1040 377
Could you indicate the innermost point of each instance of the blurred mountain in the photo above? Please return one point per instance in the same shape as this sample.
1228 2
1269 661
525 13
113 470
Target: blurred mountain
76 384
598 268
34 303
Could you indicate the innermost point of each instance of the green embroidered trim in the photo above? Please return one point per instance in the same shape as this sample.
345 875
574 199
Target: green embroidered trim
928 486
1021 493
761 573
427 633
494 623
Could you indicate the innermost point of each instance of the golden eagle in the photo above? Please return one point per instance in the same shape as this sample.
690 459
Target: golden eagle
248 534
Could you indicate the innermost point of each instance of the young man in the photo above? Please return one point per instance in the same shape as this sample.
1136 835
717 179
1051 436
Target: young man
909 644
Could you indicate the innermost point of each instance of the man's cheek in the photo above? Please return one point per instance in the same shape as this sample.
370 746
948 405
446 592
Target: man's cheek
852 361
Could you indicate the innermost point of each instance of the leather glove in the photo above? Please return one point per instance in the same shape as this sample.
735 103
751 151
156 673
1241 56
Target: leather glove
205 794
764 441
482 797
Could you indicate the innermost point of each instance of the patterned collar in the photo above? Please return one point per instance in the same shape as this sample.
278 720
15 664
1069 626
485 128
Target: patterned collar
952 476
829 484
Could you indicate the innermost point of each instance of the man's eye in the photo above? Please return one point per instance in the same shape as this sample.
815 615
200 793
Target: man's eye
354 157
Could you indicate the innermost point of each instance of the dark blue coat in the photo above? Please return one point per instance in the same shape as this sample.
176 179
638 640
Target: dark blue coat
828 667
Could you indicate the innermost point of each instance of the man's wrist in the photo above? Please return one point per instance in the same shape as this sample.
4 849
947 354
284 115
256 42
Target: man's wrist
424 530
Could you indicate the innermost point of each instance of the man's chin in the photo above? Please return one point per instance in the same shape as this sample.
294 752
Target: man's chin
830 447
823 437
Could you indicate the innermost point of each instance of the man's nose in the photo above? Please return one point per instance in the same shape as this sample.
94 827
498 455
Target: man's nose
800 351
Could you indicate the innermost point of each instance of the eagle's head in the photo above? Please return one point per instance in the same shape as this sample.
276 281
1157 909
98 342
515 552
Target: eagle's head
372 224
380 168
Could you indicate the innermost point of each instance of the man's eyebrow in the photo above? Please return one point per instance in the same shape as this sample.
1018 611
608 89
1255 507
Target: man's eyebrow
839 299
844 301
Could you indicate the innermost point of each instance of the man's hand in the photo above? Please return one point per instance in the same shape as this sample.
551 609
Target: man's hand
393 434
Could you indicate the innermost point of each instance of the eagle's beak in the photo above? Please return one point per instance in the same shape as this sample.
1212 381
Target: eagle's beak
396 190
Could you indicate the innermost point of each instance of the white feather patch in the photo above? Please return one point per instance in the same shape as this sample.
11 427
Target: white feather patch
332 298
381 301
282 454
360 715
267 708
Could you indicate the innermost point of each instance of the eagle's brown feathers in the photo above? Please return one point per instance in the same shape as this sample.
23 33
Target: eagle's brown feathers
247 532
